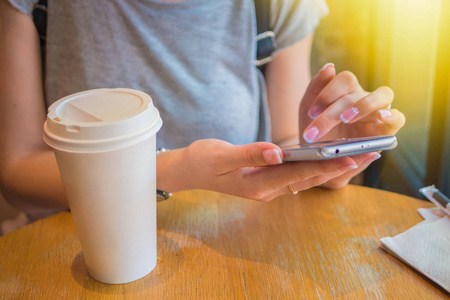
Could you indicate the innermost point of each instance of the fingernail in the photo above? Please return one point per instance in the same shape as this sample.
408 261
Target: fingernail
272 156
311 134
349 167
349 114
326 66
315 111
385 113
373 158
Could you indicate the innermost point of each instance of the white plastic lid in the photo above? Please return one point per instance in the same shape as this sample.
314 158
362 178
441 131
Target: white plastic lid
100 119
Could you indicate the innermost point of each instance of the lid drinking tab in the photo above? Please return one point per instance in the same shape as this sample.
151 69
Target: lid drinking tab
99 115
100 106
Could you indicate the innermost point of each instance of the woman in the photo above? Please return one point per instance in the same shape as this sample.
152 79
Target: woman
196 59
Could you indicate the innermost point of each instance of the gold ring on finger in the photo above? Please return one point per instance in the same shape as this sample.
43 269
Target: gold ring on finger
291 189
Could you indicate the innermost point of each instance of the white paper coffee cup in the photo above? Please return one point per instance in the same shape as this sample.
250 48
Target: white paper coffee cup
105 145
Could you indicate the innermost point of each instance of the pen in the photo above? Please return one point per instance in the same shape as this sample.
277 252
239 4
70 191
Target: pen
437 197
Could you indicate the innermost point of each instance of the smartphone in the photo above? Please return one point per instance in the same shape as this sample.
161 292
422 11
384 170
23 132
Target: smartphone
339 148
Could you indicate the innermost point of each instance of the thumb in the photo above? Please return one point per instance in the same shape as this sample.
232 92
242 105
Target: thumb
257 154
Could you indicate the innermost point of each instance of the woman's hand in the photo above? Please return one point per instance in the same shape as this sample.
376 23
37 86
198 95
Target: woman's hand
251 171
336 106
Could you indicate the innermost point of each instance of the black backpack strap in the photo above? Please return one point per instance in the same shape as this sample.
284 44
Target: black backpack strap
265 40
40 21
262 10
40 18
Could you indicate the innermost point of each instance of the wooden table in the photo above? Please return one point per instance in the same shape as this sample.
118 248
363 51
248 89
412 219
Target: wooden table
318 244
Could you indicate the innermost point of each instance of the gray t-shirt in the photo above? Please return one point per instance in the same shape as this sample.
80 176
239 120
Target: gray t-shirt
195 58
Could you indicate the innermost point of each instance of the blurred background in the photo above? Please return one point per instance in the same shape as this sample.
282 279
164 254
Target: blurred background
404 44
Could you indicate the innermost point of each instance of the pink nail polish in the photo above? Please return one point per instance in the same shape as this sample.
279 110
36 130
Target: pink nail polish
315 111
311 134
326 66
348 168
385 113
349 114
372 159
272 156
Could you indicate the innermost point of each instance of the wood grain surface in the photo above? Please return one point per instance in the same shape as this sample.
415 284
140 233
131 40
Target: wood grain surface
319 244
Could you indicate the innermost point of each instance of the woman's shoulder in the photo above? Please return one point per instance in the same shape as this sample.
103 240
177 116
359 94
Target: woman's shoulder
293 20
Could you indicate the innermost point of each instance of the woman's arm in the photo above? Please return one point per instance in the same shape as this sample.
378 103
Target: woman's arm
29 176
287 77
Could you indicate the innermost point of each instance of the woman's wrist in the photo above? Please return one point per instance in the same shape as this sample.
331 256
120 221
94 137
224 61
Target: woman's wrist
170 174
